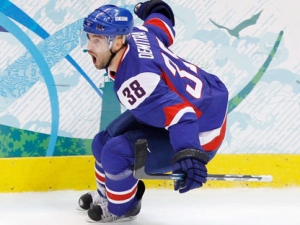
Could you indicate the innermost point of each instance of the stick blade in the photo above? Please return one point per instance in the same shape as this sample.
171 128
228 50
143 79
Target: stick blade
140 152
237 177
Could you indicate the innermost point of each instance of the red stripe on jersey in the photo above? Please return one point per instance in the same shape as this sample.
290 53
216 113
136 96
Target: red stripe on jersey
100 177
171 111
120 196
216 142
158 23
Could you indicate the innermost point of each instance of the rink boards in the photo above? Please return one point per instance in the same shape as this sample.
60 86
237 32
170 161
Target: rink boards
77 173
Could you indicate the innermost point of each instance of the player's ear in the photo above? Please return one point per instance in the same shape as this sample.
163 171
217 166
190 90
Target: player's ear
119 42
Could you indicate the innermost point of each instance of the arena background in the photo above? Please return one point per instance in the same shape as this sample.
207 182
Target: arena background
53 101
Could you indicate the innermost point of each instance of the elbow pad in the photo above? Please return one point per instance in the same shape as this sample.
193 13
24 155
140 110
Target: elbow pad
144 9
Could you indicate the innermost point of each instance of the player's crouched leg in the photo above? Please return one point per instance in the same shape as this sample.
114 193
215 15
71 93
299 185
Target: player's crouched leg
94 196
123 191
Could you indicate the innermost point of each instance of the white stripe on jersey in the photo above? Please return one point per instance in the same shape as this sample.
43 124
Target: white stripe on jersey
208 136
142 28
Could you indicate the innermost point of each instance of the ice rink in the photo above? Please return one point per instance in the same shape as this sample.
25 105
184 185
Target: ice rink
163 207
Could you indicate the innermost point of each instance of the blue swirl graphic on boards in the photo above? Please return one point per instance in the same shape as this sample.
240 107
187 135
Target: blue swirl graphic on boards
42 64
12 11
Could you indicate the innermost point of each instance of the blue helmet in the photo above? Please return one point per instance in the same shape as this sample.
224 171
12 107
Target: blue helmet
109 20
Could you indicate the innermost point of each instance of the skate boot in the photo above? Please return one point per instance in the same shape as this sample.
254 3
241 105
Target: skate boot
99 212
87 199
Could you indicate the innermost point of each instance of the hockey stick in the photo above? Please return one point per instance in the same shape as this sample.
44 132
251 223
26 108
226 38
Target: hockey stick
141 148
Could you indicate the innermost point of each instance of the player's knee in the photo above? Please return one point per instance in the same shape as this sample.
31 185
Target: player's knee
117 155
98 142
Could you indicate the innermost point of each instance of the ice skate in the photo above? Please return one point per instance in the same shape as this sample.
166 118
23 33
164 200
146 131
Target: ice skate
99 212
87 199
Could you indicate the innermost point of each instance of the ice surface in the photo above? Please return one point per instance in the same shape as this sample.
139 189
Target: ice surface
162 207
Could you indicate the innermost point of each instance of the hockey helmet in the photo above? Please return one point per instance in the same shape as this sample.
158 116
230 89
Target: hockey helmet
108 21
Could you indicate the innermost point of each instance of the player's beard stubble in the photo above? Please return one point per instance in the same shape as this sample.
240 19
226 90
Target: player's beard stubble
100 60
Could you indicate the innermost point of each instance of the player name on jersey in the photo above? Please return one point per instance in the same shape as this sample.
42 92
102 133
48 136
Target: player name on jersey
143 45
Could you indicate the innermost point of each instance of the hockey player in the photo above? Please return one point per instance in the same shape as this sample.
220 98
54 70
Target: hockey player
177 107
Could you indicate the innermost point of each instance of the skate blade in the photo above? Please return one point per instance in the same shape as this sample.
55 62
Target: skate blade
81 209
120 219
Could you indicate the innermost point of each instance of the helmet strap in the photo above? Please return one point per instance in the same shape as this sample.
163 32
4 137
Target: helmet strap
113 54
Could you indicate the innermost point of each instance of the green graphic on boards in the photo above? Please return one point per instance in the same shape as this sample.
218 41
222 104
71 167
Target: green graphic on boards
110 104
237 99
241 26
16 142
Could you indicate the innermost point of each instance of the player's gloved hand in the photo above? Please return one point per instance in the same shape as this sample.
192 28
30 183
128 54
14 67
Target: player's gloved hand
191 163
144 9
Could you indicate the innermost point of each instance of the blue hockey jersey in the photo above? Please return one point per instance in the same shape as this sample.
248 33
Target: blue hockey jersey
163 90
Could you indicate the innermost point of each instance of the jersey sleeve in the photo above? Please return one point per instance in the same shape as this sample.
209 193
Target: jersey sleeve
161 27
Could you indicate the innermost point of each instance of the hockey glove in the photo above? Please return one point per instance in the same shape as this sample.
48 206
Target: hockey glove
191 163
144 9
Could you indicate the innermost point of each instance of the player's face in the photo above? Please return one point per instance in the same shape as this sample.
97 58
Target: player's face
98 48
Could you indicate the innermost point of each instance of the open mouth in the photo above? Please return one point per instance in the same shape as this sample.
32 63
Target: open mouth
94 58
